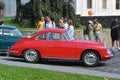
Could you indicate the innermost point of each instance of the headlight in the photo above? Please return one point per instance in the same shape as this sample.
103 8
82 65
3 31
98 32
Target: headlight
108 50
106 46
11 47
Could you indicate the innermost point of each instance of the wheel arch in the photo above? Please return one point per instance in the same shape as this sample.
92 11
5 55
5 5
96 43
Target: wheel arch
31 48
90 50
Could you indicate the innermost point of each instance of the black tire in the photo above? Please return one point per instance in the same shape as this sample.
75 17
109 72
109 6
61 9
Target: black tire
90 58
31 56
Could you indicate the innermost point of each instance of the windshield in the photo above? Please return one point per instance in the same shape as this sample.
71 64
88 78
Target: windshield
32 34
18 32
69 36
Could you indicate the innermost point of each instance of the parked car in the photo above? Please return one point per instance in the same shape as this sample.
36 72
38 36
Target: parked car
8 36
59 44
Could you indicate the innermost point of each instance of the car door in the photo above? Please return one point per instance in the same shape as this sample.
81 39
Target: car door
8 38
58 47
1 32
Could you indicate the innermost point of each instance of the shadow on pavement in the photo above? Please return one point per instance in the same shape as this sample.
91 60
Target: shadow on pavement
55 62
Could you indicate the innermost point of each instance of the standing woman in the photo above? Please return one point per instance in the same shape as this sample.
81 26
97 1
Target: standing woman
41 24
70 27
98 29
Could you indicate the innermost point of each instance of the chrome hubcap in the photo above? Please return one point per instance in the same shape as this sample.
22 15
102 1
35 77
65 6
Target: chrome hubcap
31 55
90 58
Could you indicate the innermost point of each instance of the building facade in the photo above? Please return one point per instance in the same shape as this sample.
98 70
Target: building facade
10 7
98 7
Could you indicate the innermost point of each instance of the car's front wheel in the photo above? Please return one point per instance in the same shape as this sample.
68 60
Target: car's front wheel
31 56
90 58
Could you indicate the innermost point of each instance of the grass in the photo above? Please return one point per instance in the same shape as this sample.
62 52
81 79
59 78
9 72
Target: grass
20 73
7 21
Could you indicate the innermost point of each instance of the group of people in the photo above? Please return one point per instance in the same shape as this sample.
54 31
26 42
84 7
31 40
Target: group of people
92 31
47 23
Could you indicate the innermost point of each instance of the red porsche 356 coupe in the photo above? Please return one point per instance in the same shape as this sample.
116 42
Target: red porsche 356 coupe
59 44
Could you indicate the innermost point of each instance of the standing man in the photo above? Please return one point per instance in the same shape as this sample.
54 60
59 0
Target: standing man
41 24
97 31
65 24
49 24
115 28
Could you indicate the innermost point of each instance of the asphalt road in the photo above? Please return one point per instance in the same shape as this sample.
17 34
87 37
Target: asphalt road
109 68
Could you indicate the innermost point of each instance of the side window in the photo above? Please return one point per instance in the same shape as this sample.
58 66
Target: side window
41 37
9 32
0 31
56 36
89 4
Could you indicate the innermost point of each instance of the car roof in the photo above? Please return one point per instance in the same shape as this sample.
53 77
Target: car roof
8 27
52 30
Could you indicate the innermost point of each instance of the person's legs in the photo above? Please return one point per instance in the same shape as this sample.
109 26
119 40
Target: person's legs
91 35
85 37
117 40
113 42
98 37
95 37
117 43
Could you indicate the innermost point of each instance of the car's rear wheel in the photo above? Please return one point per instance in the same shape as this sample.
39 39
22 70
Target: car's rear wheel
90 58
31 56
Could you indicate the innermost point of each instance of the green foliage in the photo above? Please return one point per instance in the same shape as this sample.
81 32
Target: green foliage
2 5
20 73
9 22
33 10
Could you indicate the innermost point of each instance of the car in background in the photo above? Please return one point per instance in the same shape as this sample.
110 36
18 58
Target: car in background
59 44
8 36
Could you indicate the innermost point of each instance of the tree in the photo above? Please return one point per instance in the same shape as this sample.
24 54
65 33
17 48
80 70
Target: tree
18 11
2 5
56 9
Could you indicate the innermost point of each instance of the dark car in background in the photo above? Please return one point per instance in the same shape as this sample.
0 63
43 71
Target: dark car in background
8 36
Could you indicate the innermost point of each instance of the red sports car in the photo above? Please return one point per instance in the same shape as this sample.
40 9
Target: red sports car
59 44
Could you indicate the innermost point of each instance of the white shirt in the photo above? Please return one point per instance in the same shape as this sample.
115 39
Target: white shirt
71 30
49 25
66 25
